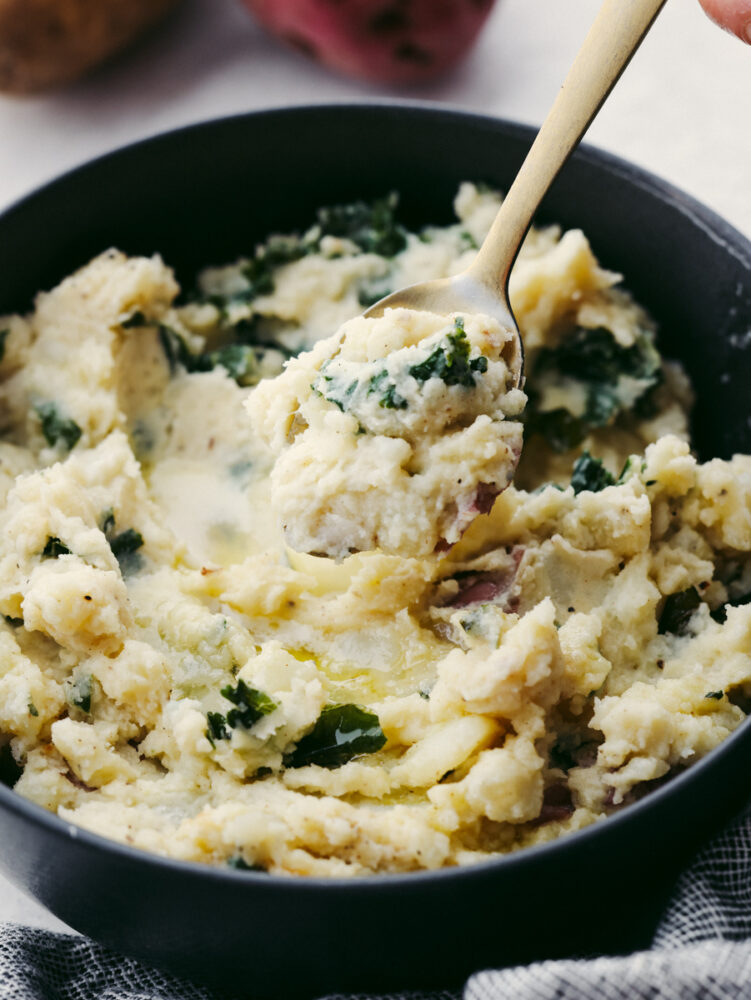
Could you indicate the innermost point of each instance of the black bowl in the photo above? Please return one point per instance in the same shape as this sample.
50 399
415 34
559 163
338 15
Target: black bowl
204 195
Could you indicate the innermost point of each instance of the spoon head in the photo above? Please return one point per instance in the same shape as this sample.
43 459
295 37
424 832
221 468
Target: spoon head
460 294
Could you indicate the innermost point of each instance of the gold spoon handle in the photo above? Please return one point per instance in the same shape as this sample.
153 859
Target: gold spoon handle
615 35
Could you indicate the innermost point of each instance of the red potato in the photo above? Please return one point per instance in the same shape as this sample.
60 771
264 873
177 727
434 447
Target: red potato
391 41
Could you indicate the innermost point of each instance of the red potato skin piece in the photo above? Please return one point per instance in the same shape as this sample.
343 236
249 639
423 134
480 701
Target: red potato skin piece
488 587
389 41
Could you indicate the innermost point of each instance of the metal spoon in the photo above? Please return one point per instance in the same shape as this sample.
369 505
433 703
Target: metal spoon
615 35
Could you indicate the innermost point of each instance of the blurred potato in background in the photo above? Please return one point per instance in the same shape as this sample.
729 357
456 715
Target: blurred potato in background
45 43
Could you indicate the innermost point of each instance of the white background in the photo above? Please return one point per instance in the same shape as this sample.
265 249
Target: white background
682 109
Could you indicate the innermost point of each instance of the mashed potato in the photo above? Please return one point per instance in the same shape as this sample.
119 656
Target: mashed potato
175 677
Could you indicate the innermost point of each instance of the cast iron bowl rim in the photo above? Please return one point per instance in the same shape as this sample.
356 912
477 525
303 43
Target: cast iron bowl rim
714 225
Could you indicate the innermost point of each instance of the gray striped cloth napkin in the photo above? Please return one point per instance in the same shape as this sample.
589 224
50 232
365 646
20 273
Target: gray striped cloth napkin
701 951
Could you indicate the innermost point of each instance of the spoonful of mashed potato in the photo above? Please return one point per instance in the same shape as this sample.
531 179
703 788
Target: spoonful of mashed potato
394 434
402 427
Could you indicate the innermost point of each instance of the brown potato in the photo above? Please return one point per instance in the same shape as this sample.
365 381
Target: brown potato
44 43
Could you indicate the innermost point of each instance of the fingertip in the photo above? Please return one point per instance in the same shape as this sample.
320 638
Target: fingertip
732 15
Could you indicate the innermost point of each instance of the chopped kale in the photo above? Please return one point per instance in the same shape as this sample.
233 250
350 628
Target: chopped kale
602 404
595 356
217 727
14 622
450 361
239 863
240 471
334 388
251 704
717 695
720 614
595 360
259 270
135 319
341 733
561 429
631 466
340 391
10 769
3 338
177 351
372 227
125 543
391 400
57 428
574 748
467 240
80 692
545 486
33 710
677 612
240 361
54 547
257 332
590 474
107 521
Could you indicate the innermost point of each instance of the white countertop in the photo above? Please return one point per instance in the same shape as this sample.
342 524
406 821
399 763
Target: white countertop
681 110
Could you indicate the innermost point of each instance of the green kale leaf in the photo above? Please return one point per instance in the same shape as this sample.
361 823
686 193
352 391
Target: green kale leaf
720 614
391 400
335 388
252 705
630 468
217 727
10 769
590 474
240 361
595 360
340 733
54 547
274 253
678 611
124 544
239 863
450 361
560 428
80 692
596 356
135 320
178 353
371 226
57 428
